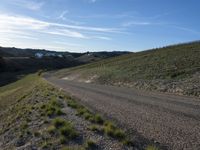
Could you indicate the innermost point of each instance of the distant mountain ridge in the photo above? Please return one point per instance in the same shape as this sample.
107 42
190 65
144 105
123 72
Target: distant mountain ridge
15 61
18 52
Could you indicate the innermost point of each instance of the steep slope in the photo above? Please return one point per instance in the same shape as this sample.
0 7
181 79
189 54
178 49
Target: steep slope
173 69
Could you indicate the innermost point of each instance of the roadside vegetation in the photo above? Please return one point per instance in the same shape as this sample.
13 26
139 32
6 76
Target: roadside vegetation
33 111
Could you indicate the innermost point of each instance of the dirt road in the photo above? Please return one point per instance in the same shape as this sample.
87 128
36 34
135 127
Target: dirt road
173 121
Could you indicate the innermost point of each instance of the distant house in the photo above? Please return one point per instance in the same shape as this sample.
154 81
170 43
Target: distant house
59 55
39 55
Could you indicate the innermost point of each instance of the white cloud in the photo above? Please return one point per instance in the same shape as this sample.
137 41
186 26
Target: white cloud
132 23
28 4
65 32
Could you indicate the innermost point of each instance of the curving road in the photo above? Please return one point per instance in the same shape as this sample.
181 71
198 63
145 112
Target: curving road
173 121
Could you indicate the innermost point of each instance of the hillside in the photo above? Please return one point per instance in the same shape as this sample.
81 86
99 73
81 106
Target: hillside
15 62
174 69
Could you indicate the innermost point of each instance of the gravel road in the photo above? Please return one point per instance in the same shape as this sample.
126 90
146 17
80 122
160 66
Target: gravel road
172 121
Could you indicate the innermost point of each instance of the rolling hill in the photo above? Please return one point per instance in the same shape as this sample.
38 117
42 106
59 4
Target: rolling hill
174 69
15 62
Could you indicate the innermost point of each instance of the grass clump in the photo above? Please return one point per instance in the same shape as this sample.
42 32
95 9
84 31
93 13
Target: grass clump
65 129
47 145
95 128
90 145
51 129
98 119
111 130
71 103
151 147
53 108
59 122
68 131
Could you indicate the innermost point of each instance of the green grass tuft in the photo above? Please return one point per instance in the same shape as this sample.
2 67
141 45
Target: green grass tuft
151 147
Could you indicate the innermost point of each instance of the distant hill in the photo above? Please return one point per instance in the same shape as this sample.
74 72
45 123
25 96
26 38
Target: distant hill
174 69
16 52
15 61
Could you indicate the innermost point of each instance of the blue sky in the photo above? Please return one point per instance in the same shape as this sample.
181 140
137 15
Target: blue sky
98 25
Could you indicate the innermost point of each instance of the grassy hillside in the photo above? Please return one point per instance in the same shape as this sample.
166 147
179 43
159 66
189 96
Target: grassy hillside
36 115
170 69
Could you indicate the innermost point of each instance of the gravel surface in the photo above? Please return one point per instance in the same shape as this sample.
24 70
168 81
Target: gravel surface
173 121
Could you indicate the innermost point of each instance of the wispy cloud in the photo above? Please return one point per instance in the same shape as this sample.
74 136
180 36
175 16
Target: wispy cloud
92 1
24 26
63 16
65 32
132 23
185 29
28 4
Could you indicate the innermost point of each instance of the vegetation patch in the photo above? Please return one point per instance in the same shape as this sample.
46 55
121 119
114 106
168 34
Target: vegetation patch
90 145
151 147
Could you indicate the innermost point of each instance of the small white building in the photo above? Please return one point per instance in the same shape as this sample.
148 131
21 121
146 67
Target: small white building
39 55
